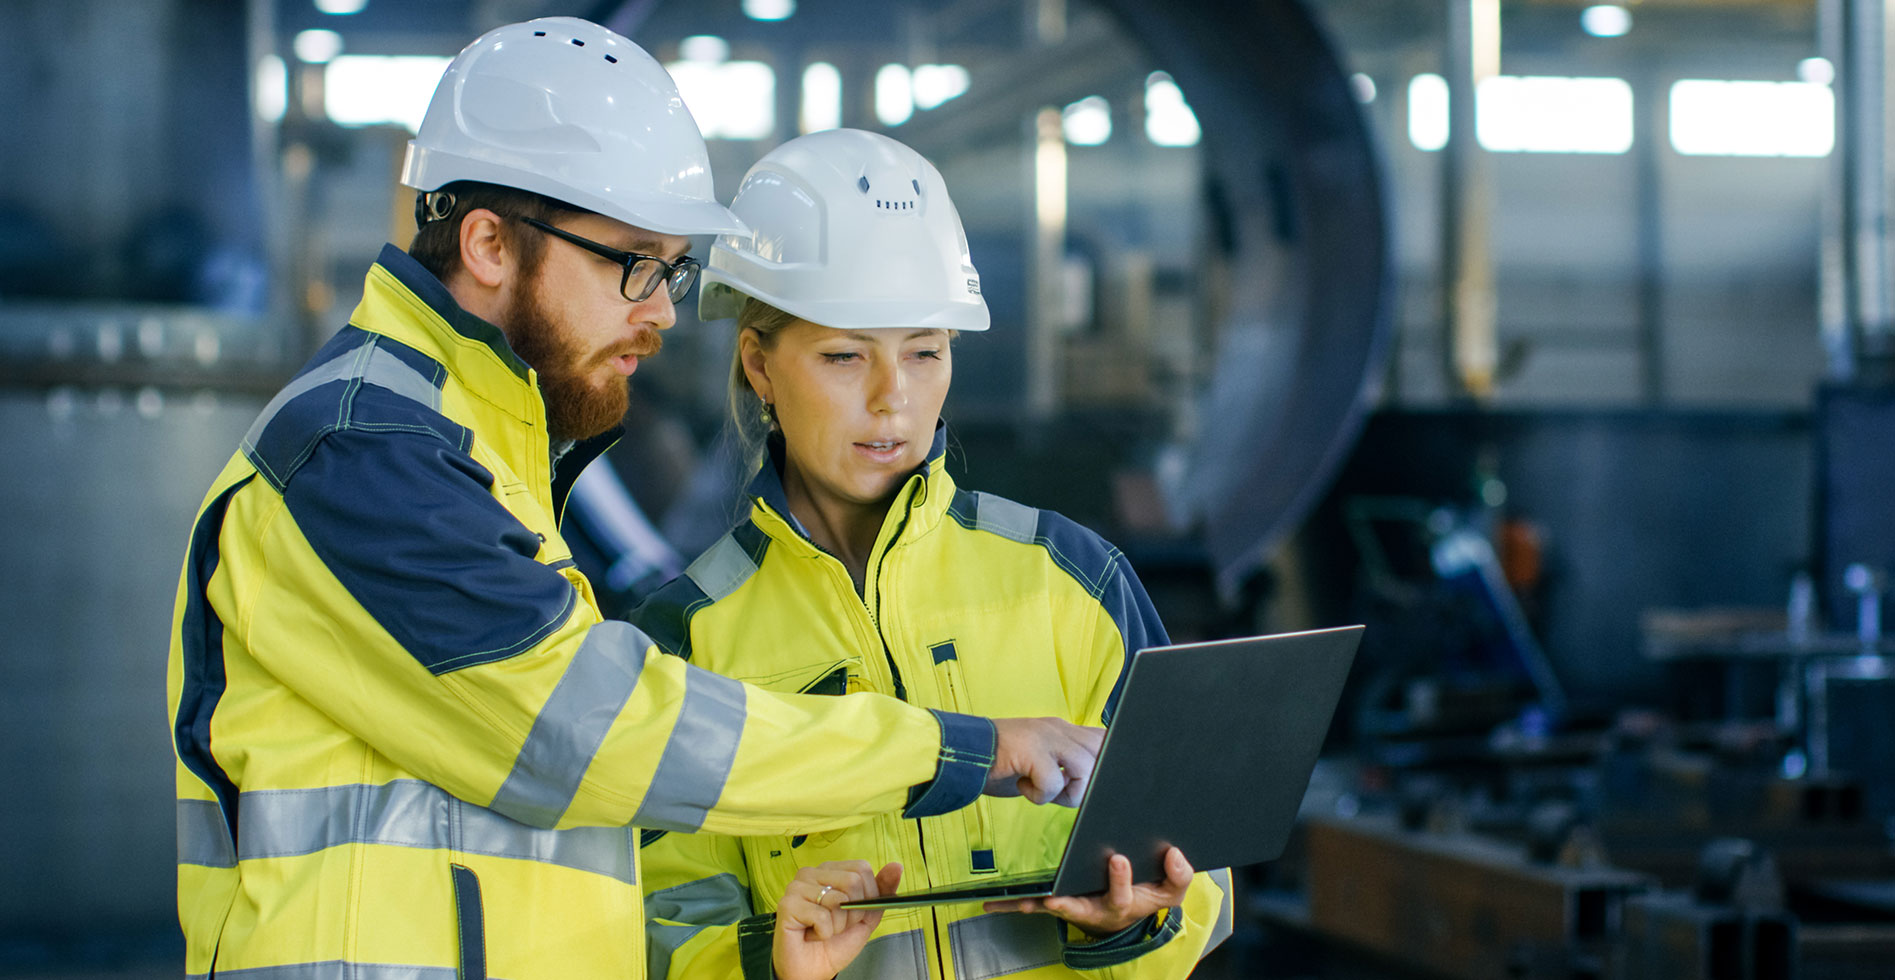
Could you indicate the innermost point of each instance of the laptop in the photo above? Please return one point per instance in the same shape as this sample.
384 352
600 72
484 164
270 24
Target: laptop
1211 750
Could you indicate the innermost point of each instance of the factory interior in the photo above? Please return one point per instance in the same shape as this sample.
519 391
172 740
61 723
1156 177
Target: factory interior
1553 341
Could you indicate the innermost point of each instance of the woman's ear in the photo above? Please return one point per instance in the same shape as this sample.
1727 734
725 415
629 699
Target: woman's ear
756 364
484 251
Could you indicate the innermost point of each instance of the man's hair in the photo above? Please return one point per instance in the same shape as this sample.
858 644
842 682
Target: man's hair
437 245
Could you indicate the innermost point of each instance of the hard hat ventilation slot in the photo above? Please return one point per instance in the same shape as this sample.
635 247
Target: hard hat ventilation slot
578 42
862 184
611 59
539 33
917 186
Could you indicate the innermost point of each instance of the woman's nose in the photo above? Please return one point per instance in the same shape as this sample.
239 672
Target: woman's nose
889 393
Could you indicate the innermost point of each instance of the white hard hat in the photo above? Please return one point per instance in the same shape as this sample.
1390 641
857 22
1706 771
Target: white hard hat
849 229
565 108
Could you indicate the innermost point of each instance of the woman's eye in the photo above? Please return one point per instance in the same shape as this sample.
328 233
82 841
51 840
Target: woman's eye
843 357
933 355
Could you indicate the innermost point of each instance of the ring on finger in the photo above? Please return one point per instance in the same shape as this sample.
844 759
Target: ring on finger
826 889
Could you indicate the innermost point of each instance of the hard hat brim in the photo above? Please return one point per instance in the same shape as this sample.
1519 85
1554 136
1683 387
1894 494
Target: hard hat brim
428 170
718 300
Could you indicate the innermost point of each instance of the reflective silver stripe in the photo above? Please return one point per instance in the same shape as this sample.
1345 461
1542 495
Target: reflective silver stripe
698 755
572 724
203 836
368 362
412 813
676 914
894 957
1001 516
721 568
995 945
1222 930
337 970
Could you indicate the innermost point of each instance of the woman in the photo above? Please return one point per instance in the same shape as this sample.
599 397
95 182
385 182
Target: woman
847 295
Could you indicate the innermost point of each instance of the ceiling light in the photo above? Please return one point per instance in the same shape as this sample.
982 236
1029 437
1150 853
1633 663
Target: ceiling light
706 48
769 9
317 47
1606 20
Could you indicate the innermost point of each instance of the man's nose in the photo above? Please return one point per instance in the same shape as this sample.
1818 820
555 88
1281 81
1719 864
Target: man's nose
656 310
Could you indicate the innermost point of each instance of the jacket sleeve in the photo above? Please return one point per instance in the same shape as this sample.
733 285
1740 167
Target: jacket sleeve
697 891
405 601
1169 944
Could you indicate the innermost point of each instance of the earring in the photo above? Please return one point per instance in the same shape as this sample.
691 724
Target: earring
769 415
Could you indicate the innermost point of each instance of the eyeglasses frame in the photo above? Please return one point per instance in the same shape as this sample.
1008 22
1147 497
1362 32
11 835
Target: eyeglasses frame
685 266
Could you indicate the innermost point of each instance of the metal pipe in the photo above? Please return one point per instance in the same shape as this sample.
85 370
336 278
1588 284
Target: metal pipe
1651 244
1468 305
1857 324
1045 301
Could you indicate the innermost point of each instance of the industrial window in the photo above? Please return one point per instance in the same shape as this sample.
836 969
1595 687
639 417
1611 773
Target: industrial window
894 95
1752 119
935 84
1087 122
1169 120
371 90
1529 114
733 100
822 97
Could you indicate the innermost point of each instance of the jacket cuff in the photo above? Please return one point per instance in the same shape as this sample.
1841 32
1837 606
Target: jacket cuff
967 755
755 934
1127 944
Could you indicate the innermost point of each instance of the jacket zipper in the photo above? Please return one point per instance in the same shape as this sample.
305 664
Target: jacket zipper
939 928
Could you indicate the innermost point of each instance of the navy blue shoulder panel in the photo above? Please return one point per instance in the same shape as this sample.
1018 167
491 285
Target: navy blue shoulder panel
407 523
358 381
201 635
665 615
1095 563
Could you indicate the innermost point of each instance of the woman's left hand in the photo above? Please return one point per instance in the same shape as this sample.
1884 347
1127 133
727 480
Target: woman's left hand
1121 904
815 937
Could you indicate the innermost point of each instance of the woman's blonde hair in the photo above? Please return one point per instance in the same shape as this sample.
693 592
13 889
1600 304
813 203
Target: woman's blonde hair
749 416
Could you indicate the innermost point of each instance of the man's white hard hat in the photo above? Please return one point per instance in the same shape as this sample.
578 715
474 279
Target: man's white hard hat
849 229
565 108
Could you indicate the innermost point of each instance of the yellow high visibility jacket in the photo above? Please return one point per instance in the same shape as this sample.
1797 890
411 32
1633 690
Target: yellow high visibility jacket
971 603
408 747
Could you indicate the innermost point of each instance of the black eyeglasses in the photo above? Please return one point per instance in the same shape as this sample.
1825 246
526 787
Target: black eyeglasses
642 272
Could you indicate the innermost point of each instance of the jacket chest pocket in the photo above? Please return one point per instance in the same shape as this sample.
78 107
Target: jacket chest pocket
527 508
953 685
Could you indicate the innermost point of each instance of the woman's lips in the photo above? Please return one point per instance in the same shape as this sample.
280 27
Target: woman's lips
882 450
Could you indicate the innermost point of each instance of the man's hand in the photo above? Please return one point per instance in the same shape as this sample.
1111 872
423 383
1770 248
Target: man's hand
1046 760
816 938
1121 904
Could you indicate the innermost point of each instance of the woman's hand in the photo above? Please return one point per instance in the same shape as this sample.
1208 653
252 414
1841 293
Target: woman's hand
815 938
1121 904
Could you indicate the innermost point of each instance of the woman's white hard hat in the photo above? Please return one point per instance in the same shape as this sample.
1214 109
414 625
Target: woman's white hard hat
849 229
565 108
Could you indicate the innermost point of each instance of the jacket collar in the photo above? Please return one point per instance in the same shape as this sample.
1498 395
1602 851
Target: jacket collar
434 294
405 301
924 497
490 388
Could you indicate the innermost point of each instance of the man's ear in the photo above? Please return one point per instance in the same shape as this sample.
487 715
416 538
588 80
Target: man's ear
484 251
750 349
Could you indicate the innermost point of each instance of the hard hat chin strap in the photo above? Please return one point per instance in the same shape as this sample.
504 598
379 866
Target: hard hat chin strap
433 206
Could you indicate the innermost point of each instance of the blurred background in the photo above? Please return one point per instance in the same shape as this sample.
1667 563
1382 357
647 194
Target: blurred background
1552 340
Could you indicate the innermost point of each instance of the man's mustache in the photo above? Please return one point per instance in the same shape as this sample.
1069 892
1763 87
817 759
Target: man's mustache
647 344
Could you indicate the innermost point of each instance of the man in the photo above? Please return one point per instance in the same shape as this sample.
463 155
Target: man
408 745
